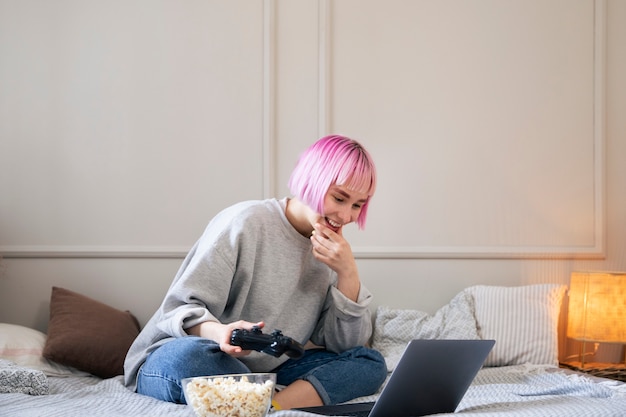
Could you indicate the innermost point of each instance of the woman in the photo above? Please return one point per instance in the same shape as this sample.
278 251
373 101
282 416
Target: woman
281 264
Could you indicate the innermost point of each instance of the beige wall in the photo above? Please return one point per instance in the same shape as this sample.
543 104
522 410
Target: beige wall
125 126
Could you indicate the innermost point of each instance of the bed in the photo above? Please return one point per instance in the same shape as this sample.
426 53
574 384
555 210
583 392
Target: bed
74 369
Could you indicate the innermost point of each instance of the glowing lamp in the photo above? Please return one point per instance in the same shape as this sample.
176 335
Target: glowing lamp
597 308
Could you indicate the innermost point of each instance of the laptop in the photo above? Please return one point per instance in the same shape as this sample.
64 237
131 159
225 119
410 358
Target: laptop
431 377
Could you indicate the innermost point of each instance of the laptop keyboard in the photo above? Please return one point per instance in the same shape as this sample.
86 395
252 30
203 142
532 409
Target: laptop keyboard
356 413
348 410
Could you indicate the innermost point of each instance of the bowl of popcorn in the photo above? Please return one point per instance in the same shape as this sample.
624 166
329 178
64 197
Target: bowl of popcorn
239 395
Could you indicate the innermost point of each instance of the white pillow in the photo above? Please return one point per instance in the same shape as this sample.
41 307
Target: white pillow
394 328
24 347
522 320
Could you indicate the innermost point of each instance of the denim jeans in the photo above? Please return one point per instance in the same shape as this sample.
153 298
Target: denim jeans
336 377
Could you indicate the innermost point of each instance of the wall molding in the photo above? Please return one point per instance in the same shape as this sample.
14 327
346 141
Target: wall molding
179 252
324 67
269 93
534 253
56 251
599 114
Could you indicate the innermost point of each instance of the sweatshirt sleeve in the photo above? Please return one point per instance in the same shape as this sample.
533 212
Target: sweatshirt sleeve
344 323
198 294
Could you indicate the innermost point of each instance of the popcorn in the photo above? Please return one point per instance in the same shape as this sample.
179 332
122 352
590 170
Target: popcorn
227 396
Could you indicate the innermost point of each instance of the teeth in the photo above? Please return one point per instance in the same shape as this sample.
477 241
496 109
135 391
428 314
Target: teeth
333 224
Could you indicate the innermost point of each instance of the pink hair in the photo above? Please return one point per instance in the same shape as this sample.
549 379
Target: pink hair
333 160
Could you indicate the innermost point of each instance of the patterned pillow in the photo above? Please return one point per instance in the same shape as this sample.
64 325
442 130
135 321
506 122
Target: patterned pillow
393 328
522 320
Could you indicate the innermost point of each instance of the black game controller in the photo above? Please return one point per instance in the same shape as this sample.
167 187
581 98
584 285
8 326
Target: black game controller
274 344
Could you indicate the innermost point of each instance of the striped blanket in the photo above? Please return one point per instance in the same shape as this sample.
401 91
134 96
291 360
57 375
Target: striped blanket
513 391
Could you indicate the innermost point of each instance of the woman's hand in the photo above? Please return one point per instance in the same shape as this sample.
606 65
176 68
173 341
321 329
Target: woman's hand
221 333
332 249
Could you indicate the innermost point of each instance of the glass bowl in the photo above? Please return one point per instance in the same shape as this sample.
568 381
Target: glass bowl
237 395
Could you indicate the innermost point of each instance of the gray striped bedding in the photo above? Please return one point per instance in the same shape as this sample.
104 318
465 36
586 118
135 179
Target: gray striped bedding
515 391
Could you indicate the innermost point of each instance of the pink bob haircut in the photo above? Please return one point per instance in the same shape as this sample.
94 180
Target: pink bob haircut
333 160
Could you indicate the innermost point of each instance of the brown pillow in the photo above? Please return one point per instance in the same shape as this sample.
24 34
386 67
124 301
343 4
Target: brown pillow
87 334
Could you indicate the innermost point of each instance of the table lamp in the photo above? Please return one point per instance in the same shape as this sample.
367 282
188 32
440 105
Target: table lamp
597 308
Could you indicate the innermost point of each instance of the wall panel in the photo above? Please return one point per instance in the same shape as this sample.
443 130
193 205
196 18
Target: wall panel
126 126
485 118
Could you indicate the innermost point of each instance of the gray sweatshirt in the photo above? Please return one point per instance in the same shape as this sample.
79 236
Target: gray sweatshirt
251 264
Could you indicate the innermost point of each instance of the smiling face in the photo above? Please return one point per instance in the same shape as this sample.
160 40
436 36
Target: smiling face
335 162
342 206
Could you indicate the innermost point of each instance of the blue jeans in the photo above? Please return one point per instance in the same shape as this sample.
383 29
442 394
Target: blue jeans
336 377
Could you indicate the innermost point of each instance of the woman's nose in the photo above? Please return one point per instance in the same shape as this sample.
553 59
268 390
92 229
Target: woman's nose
346 216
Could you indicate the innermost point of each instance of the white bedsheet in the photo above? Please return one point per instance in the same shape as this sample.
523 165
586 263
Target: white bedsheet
88 396
515 391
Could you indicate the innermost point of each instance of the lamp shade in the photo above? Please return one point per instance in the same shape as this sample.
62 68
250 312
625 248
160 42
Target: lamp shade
597 307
